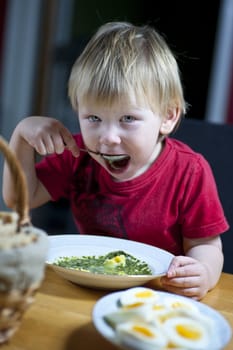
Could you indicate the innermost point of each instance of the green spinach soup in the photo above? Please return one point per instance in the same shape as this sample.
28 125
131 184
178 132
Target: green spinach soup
113 263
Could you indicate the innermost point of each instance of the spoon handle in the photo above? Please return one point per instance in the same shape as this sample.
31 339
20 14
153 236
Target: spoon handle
88 150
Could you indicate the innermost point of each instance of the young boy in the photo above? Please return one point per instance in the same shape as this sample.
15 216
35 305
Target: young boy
132 181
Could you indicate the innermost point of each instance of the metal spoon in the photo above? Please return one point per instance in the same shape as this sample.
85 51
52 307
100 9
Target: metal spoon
88 150
111 158
104 155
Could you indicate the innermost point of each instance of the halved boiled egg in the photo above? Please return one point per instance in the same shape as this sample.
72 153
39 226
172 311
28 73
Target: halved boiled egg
183 307
186 333
179 304
138 295
118 260
140 335
158 309
173 307
134 312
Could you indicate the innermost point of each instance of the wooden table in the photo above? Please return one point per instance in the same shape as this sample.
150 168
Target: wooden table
60 318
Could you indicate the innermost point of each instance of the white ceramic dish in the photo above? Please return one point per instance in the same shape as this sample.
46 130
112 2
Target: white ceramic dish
85 245
108 304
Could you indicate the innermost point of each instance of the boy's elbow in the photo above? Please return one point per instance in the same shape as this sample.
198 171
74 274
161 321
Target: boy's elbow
8 200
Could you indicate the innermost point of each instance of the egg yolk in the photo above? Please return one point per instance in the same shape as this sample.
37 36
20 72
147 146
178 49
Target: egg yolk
144 294
132 306
115 261
119 259
188 332
158 307
177 304
144 331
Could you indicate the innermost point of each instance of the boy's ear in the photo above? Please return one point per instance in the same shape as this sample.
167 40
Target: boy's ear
169 122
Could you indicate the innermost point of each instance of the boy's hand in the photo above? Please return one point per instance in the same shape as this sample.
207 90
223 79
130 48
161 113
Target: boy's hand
186 276
47 135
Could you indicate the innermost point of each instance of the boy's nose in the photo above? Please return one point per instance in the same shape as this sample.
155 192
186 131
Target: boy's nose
110 137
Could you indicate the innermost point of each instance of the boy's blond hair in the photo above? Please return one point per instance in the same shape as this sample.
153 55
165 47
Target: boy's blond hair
122 59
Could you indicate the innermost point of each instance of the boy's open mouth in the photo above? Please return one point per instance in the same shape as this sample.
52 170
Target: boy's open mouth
113 161
116 162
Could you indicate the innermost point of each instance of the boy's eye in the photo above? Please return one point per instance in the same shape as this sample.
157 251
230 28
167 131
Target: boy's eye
93 118
128 118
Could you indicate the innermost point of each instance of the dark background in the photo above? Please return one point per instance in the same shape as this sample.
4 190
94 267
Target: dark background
189 28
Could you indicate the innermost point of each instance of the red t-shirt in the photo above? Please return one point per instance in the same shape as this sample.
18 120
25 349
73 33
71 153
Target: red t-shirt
175 197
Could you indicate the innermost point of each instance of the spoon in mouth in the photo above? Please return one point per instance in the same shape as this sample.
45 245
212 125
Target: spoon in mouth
115 160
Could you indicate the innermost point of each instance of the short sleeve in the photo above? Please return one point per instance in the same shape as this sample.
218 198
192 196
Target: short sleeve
202 213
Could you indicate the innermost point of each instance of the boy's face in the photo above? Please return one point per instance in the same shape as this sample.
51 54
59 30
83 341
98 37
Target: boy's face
126 130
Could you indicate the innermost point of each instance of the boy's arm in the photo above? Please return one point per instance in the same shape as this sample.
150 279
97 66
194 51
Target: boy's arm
25 153
197 272
45 136
207 251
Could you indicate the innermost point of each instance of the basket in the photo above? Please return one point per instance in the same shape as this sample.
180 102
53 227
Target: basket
23 252
19 180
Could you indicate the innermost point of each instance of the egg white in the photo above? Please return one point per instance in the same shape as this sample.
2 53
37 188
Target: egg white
140 335
135 312
138 294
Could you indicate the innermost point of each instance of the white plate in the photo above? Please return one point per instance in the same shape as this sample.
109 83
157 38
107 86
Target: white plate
85 245
108 304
